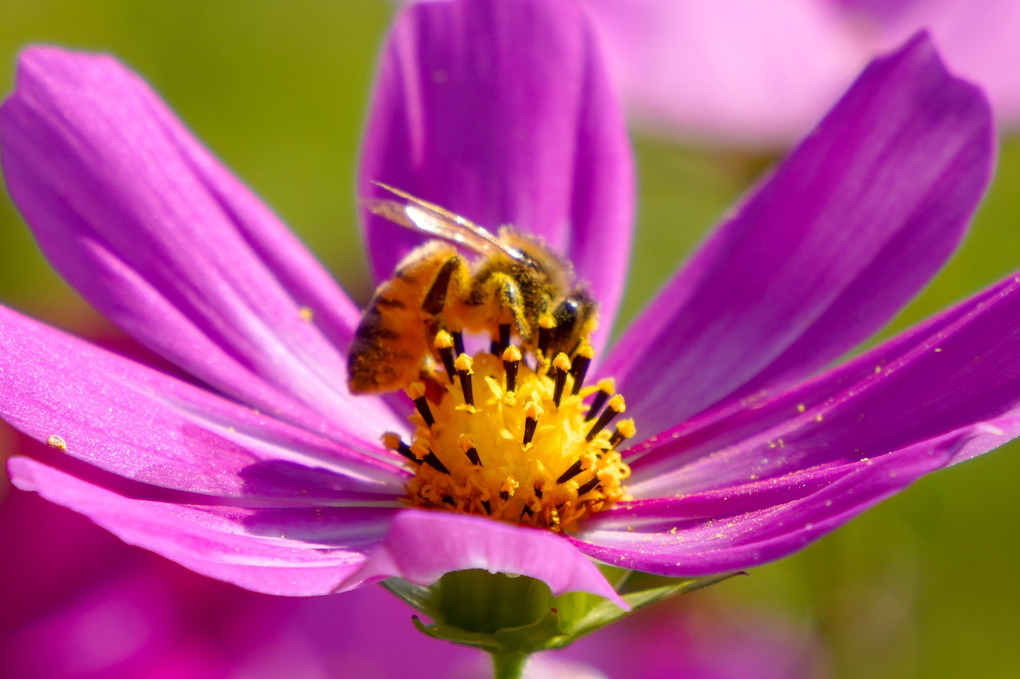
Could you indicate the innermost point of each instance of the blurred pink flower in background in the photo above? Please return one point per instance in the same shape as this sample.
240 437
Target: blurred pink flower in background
761 74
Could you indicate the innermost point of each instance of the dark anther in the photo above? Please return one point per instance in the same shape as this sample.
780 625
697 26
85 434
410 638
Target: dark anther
463 366
561 365
529 429
426 413
605 418
465 386
472 454
447 357
405 451
624 431
581 490
596 406
511 361
434 462
574 470
458 342
538 492
579 369
444 345
448 500
504 495
504 337
488 506
527 511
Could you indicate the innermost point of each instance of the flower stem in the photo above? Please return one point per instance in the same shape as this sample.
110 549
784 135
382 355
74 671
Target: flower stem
508 664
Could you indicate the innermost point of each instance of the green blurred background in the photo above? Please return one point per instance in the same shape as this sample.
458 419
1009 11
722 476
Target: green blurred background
921 586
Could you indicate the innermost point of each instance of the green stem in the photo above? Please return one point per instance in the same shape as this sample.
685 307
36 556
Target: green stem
509 664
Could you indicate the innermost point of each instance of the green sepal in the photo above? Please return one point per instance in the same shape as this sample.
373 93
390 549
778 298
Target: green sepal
638 591
502 614
523 639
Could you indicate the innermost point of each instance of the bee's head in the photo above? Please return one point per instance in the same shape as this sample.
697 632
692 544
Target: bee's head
576 316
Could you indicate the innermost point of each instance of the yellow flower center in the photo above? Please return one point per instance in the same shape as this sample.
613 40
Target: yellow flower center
496 437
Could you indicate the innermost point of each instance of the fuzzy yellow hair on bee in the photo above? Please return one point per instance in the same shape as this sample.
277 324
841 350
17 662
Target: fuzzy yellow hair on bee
515 285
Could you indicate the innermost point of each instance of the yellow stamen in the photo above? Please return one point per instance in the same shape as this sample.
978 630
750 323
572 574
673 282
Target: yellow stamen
444 340
512 353
511 358
517 455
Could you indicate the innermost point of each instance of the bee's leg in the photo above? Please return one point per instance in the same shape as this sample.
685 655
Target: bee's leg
511 311
453 274
443 302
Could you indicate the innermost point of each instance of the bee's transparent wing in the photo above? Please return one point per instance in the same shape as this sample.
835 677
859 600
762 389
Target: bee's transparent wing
429 218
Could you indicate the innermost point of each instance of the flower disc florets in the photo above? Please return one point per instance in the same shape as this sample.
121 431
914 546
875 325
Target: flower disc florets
499 438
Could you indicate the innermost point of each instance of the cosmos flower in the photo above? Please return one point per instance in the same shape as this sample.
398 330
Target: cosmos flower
747 73
264 470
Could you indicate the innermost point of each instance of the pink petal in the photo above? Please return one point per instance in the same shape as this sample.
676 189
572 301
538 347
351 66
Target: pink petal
823 253
741 528
767 480
165 242
423 545
956 374
499 110
141 424
298 552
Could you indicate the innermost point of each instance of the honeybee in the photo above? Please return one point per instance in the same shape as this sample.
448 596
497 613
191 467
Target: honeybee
514 285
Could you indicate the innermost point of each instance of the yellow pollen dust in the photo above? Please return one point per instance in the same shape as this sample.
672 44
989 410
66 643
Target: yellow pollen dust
500 439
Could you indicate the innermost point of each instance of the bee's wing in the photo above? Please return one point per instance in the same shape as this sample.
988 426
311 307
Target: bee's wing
429 218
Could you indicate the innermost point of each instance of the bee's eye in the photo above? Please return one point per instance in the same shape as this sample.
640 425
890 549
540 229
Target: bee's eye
573 311
566 313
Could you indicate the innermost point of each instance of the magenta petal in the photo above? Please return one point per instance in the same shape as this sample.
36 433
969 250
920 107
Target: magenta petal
499 110
957 374
165 242
143 425
765 481
423 545
741 528
822 254
301 553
